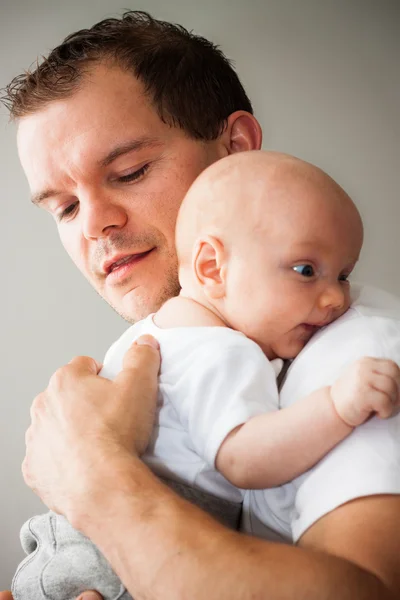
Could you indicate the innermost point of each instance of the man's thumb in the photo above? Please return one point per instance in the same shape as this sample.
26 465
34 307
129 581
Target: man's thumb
90 596
147 340
141 361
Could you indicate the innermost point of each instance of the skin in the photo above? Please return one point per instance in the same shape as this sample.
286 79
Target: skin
184 553
276 235
289 289
101 216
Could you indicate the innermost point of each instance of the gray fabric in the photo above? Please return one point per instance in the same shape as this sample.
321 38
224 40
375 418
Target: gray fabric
226 512
62 563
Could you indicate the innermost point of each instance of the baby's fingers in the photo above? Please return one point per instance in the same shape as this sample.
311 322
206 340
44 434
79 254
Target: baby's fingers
386 378
387 385
382 404
389 368
385 395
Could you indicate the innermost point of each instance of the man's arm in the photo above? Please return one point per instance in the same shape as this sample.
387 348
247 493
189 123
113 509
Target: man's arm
80 460
366 532
163 547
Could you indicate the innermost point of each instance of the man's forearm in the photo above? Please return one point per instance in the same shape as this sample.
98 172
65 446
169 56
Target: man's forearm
163 547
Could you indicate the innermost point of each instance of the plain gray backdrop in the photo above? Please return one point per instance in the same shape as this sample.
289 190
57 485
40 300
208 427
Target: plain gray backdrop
324 79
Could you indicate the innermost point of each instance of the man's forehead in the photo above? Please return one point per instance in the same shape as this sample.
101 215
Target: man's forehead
106 98
88 126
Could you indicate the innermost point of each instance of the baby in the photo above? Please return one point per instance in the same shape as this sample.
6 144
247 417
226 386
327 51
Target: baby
265 244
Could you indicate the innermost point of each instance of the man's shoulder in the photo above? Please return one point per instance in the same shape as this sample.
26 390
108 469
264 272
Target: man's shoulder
364 464
369 301
373 320
371 327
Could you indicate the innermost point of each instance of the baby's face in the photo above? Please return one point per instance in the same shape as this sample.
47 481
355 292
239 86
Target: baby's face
291 278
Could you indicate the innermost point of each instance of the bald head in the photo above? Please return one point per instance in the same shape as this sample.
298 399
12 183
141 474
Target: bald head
262 193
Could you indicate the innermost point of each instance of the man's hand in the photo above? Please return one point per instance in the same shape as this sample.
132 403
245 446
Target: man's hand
369 386
81 419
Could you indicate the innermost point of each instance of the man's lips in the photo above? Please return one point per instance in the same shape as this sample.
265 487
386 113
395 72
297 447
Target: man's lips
120 262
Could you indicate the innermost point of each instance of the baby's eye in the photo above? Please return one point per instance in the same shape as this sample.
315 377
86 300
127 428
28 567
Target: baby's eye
305 270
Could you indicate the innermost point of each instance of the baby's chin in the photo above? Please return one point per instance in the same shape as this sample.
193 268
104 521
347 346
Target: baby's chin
287 349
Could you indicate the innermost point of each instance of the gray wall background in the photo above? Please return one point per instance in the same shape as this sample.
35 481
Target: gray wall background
324 79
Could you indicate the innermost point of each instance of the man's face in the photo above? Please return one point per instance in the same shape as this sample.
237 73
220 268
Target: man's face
113 176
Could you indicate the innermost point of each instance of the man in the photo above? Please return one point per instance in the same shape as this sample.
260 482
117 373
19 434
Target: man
113 128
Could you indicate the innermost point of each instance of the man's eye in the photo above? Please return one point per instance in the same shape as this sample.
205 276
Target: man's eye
305 270
134 175
67 212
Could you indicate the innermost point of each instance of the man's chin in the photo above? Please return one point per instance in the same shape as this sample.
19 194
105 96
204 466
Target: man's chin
139 304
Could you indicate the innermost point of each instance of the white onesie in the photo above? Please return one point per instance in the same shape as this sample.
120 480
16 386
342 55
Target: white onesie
212 379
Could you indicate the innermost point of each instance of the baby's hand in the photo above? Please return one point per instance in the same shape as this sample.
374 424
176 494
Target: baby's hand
368 386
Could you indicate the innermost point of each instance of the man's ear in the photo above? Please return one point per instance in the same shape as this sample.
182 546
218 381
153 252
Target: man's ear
209 266
243 132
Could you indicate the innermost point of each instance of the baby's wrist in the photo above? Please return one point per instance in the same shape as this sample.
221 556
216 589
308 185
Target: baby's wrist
338 413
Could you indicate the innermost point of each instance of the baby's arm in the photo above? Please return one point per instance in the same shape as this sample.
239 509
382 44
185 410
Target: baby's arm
274 448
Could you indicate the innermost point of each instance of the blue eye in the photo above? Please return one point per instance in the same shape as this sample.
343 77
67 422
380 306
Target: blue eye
305 270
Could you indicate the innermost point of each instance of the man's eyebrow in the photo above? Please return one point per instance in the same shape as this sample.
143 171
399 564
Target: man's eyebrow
133 145
37 199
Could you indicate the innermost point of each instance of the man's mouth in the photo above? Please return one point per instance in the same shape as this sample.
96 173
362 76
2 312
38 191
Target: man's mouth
120 265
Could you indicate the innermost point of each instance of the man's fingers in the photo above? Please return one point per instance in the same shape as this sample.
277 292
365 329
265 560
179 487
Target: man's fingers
85 364
141 362
79 366
6 596
147 340
85 596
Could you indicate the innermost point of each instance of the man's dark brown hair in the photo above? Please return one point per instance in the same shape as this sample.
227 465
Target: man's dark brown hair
188 79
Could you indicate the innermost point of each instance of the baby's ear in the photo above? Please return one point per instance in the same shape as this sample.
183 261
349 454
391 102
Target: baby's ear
209 266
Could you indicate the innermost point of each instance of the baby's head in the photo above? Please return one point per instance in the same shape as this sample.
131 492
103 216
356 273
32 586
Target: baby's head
267 242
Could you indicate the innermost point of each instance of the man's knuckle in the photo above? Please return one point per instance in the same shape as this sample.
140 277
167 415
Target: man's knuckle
28 436
56 380
37 405
26 474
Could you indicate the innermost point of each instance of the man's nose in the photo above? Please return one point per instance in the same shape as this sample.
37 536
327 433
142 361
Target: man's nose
100 214
333 296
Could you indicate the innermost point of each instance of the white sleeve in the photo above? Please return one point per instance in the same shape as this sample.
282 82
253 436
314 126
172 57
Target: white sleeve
113 359
223 385
368 461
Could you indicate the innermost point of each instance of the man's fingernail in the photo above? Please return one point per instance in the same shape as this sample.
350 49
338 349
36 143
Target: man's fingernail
147 340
